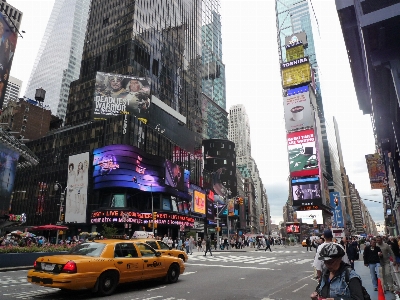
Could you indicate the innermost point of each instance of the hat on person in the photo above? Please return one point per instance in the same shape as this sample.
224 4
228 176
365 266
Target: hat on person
331 250
328 234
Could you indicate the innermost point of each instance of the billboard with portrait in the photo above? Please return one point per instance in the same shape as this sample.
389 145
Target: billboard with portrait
308 216
199 201
115 94
298 111
8 44
77 183
127 166
336 209
306 194
293 228
303 158
376 171
176 176
8 168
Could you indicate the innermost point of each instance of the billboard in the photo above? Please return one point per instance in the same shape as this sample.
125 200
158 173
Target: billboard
296 72
295 52
336 209
303 160
376 171
115 94
293 228
199 201
8 168
299 37
7 49
306 194
176 176
77 183
298 111
210 210
129 167
308 216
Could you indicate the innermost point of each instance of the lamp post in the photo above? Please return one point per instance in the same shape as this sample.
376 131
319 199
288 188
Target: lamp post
57 186
227 193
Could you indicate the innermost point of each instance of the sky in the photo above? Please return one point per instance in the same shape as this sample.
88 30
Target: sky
250 54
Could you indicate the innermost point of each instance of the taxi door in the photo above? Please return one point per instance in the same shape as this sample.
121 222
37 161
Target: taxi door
160 247
153 265
128 262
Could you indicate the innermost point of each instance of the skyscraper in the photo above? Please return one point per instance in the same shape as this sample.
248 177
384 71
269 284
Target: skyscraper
12 91
59 58
239 132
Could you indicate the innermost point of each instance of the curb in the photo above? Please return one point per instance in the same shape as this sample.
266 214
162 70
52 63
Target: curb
15 268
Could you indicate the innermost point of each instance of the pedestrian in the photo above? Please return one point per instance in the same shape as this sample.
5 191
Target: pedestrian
338 281
372 261
351 251
208 245
215 244
396 252
187 246
267 245
191 244
308 243
385 257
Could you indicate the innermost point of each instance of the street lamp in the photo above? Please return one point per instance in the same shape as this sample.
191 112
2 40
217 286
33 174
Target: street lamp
57 186
227 193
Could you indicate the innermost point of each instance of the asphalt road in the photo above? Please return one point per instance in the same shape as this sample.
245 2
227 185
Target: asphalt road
284 273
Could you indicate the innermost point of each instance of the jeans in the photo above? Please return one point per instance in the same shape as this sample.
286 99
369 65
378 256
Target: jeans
187 249
374 272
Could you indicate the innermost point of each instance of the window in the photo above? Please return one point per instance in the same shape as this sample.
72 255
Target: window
163 246
145 250
125 250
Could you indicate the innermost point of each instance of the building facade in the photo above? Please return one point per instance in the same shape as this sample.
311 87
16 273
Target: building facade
58 61
13 90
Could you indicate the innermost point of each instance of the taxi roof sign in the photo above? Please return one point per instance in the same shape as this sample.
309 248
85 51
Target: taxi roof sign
142 235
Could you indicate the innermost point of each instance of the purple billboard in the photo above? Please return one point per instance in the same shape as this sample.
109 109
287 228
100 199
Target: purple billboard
8 168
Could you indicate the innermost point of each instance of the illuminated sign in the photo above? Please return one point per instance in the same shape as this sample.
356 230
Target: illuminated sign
376 171
17 218
295 74
295 52
306 193
292 228
210 210
309 207
298 111
199 202
296 38
121 216
176 176
303 159
294 62
308 216
336 209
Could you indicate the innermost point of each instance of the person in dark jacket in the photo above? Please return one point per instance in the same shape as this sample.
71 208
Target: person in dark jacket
351 251
308 243
338 281
208 246
371 260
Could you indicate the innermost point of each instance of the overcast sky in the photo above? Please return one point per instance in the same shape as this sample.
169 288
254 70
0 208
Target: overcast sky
250 53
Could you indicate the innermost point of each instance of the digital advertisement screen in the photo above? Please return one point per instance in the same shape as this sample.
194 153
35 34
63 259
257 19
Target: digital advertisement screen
210 210
8 168
129 167
292 228
175 176
336 209
116 94
376 171
308 216
296 75
306 194
298 111
303 158
199 200
295 52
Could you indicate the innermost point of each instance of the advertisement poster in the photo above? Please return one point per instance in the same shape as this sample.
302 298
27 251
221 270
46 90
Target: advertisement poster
336 209
175 176
231 208
296 74
302 153
306 194
310 217
76 193
292 228
298 111
8 169
210 210
199 202
7 50
116 94
376 171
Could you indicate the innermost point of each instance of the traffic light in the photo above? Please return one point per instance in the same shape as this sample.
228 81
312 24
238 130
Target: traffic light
241 201
62 217
154 215
218 228
336 202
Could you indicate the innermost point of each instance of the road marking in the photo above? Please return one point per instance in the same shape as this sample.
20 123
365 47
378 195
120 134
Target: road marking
188 273
307 277
299 288
161 287
238 267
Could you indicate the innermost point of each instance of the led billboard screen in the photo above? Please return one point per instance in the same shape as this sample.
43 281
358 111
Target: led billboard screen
306 194
336 209
299 37
199 201
175 176
308 216
303 159
295 52
210 210
292 228
129 167
8 167
298 111
376 171
296 74
116 94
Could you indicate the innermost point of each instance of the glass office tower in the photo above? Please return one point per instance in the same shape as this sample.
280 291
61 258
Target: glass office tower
59 58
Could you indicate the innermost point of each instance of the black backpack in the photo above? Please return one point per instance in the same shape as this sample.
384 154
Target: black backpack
364 291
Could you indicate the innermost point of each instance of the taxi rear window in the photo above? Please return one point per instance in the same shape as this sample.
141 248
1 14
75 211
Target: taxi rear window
152 244
88 249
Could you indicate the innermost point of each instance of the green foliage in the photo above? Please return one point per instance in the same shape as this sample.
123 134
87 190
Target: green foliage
34 248
109 231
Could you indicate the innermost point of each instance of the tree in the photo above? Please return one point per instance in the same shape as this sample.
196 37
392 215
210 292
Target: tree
109 231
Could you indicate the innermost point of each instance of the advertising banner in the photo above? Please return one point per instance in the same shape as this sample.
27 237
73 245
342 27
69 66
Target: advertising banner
8 168
296 52
299 37
76 197
116 94
376 171
296 72
298 112
231 208
293 228
336 209
210 210
306 194
199 202
175 176
310 217
129 167
8 44
303 160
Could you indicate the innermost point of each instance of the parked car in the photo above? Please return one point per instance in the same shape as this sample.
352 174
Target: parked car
102 264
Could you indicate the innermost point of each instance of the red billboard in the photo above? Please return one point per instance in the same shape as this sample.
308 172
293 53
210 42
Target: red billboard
303 159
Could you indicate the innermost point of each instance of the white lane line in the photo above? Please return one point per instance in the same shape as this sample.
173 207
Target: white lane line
307 277
238 267
161 287
299 288
188 273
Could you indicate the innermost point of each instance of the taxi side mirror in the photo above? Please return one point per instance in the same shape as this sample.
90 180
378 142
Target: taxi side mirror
158 254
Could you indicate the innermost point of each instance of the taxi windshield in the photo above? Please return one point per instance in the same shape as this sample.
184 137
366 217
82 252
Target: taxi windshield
87 249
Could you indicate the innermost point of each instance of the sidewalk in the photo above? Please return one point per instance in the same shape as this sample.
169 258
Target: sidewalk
363 271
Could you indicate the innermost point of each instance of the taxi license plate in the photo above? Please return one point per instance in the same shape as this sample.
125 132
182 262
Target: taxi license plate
48 267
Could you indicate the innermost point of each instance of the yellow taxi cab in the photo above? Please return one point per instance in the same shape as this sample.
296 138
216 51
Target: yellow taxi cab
165 249
102 264
304 243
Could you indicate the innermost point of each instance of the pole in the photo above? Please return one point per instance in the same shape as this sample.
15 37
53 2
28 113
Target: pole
217 228
152 206
60 212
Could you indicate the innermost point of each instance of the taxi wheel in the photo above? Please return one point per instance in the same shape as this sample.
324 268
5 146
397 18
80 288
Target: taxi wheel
181 257
108 282
173 273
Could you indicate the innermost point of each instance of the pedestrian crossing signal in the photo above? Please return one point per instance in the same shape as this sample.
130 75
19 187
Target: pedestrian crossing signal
218 228
154 215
